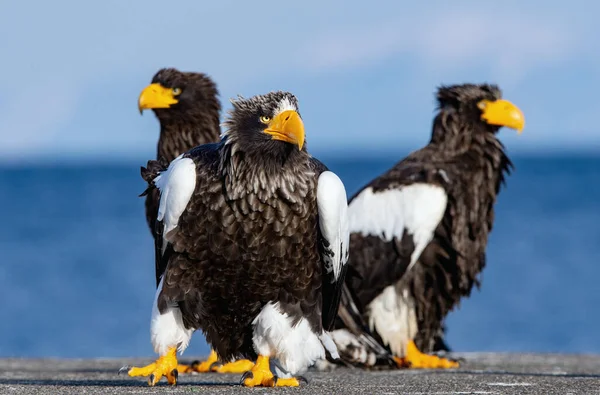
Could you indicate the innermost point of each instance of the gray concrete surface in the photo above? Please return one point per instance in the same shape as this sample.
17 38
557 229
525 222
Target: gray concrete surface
481 373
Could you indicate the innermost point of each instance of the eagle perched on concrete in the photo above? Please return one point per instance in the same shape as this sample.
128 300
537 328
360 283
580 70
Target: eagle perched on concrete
419 231
188 109
254 237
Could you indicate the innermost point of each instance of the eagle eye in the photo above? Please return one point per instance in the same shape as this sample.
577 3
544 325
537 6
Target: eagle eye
176 91
482 104
265 119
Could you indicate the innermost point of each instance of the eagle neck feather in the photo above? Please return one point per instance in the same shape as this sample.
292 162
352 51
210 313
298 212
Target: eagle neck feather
178 136
247 173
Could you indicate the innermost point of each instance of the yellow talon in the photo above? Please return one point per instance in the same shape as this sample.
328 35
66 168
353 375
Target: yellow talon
292 382
261 375
417 360
401 362
240 366
165 365
203 367
211 365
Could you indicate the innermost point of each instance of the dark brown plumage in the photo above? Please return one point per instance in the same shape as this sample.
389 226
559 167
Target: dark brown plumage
254 240
439 209
188 109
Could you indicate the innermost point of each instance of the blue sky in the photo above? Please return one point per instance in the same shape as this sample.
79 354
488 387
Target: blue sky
364 72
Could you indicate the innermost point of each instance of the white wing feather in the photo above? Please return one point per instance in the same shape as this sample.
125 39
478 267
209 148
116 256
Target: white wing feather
176 186
332 203
417 208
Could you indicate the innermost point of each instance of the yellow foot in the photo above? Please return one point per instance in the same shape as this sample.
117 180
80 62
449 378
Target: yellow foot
166 365
240 366
401 362
417 360
291 382
261 375
200 367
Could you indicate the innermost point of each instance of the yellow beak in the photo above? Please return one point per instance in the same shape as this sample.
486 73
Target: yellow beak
502 113
156 96
288 127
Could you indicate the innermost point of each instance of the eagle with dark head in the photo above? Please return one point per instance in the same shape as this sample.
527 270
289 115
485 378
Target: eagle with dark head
419 231
254 237
188 109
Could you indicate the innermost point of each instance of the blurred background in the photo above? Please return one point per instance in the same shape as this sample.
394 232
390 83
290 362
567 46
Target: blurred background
76 258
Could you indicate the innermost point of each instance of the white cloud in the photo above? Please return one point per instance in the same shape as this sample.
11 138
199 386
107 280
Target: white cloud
509 44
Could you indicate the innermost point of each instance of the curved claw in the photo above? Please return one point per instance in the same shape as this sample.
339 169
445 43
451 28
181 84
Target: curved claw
200 366
247 375
302 379
195 364
214 366
165 365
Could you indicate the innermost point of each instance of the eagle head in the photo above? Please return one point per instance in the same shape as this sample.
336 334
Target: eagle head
269 123
481 103
181 95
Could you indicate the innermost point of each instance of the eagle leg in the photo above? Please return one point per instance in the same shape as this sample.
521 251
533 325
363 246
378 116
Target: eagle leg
417 360
200 367
165 365
261 375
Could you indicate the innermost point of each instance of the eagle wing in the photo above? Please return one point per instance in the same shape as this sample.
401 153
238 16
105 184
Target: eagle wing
392 220
334 239
177 185
149 173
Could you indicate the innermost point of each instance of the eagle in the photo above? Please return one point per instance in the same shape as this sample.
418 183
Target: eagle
253 233
188 109
418 232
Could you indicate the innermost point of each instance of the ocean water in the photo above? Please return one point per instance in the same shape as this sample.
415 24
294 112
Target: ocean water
76 264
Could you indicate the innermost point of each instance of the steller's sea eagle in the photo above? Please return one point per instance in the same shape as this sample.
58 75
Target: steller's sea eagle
254 237
419 231
188 109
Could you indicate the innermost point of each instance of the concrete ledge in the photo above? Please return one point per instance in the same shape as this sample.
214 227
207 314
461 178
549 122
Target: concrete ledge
481 373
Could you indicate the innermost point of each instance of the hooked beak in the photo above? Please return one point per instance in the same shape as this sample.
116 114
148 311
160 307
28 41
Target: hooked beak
502 113
156 96
287 126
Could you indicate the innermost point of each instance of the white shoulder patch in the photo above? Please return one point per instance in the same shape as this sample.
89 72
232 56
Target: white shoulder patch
333 220
176 186
416 208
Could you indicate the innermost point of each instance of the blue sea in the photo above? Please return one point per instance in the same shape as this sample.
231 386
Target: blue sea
77 270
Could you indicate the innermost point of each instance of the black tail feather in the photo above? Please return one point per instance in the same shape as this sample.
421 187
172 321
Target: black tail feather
351 320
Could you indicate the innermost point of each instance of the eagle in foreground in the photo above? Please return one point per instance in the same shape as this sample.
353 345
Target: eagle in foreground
188 109
419 231
255 242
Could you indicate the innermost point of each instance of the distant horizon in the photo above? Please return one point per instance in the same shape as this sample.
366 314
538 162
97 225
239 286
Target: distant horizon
117 158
